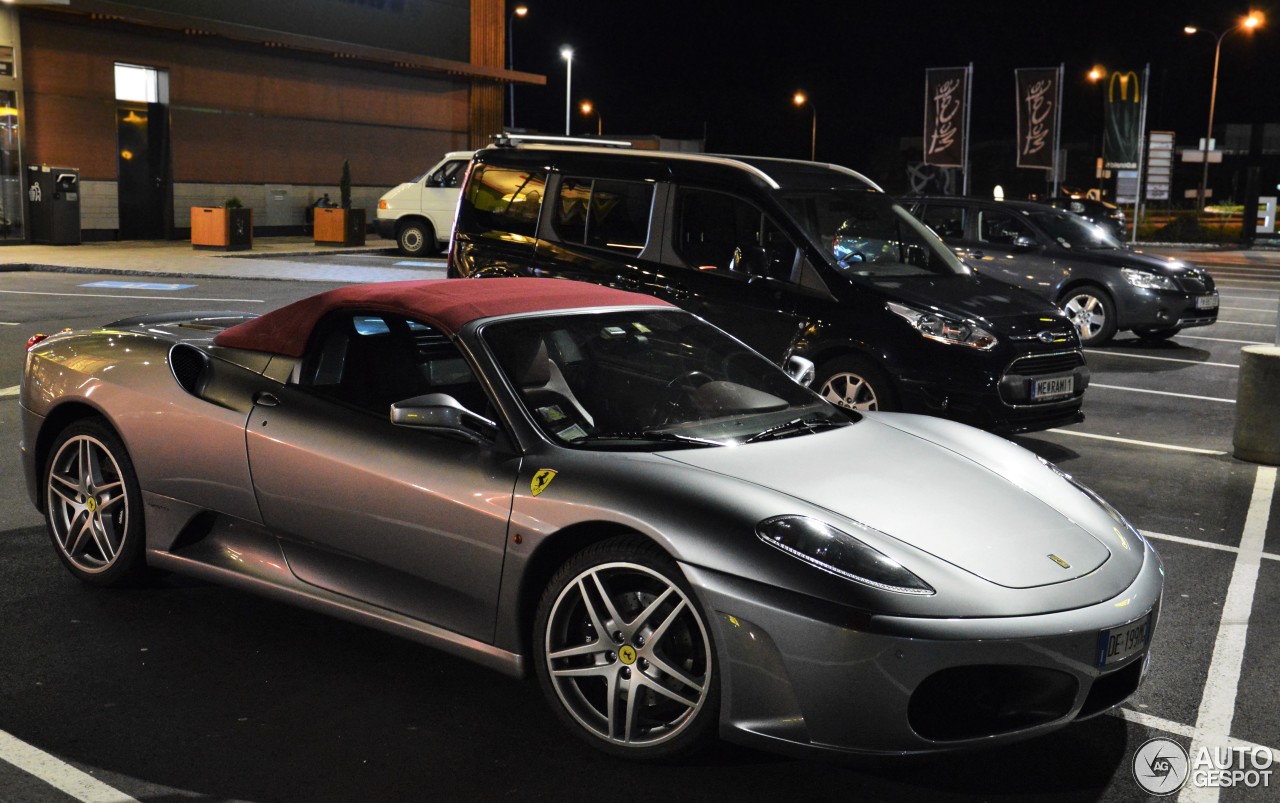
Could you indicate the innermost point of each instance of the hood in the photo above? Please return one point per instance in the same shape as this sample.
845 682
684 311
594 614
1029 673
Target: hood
1006 309
1189 276
994 511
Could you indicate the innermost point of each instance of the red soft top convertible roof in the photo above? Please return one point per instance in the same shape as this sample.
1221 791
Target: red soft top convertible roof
447 304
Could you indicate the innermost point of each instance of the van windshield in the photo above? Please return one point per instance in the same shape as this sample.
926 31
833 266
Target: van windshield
864 233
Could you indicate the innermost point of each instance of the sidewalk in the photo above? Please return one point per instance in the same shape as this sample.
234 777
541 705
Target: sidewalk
269 259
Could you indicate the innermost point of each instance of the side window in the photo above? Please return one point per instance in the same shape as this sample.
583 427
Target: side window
604 214
715 231
449 175
947 221
371 361
1001 227
503 200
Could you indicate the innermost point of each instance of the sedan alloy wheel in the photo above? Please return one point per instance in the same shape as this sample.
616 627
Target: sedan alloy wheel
1093 315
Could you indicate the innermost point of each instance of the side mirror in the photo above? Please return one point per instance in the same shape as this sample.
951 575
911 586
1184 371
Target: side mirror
1024 242
800 369
442 414
752 260
436 179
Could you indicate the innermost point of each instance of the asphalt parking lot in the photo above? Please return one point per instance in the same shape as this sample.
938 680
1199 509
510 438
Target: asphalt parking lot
187 691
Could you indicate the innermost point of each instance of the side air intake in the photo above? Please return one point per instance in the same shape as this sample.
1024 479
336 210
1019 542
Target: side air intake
189 365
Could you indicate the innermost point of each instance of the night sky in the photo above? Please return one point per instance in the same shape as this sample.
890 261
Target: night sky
729 69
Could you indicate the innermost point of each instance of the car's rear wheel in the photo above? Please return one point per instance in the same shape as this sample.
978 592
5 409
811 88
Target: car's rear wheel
416 238
854 383
624 653
93 507
1156 334
1093 314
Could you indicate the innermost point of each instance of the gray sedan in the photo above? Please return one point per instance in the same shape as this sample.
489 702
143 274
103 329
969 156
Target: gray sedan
557 479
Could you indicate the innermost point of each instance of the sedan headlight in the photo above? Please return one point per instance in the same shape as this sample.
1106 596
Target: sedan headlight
944 328
831 550
1147 280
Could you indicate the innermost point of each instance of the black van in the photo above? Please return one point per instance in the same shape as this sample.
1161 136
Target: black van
791 257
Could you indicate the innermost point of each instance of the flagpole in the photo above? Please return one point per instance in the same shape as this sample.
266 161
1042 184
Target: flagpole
1057 131
1142 151
968 102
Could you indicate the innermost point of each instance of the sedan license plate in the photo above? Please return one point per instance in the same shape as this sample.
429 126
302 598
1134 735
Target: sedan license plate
1053 387
1207 302
1119 643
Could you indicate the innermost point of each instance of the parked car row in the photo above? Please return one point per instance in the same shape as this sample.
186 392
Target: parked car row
793 258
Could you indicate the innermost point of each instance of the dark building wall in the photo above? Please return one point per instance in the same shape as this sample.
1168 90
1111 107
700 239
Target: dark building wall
239 113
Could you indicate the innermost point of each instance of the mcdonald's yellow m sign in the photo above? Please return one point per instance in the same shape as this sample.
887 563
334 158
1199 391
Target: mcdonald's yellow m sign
1127 82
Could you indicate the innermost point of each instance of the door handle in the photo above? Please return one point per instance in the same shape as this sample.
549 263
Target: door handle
266 399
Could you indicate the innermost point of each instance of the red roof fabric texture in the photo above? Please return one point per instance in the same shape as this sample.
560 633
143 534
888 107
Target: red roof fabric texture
447 304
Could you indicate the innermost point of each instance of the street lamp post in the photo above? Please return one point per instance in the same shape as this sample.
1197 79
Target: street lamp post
1095 75
801 99
518 11
587 108
1249 23
566 53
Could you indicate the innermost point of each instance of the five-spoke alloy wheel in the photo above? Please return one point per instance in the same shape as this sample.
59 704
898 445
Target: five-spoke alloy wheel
1092 313
92 505
624 652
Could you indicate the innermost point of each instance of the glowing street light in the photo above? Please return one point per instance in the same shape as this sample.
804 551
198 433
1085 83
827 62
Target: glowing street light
1246 24
801 99
587 110
518 11
566 53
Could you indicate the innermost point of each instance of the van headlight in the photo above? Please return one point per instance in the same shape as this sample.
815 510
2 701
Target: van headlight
1147 280
823 546
944 328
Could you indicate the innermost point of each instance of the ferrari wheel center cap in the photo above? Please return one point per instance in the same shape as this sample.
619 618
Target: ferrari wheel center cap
627 654
91 504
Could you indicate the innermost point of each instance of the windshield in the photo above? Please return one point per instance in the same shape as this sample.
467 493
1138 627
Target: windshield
1073 231
867 234
649 379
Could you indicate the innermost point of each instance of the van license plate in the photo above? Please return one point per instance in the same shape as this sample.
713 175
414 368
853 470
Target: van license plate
1119 643
1054 387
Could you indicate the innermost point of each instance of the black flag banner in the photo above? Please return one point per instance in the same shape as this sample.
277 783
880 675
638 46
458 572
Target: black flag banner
1038 95
1120 137
945 101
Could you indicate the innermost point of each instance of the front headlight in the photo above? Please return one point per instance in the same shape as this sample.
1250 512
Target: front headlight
945 329
831 550
1147 280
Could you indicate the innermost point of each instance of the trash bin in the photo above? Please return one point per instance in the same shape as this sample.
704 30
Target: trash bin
53 198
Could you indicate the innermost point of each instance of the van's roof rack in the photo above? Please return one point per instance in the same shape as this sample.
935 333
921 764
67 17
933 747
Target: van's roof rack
508 140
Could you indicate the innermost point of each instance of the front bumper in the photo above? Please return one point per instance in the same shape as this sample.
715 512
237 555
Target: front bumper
1163 309
385 227
805 676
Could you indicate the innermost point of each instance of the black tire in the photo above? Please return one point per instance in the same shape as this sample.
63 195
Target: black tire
681 660
416 238
1157 334
855 383
1092 312
93 506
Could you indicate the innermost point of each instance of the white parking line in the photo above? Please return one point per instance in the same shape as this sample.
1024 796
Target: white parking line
7 392
1150 444
1161 359
1178 729
1218 703
1224 340
1162 393
57 773
1178 539
1246 323
150 298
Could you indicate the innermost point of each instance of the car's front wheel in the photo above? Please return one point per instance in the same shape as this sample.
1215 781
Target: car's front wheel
93 507
1093 314
416 238
624 653
855 383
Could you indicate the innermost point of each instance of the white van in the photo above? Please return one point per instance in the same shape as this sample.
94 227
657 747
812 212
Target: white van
419 213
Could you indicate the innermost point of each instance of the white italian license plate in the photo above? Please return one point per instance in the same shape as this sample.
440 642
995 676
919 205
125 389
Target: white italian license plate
1207 302
1119 643
1053 387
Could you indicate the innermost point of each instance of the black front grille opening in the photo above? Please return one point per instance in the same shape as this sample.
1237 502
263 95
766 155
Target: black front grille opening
1111 690
1046 364
970 702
